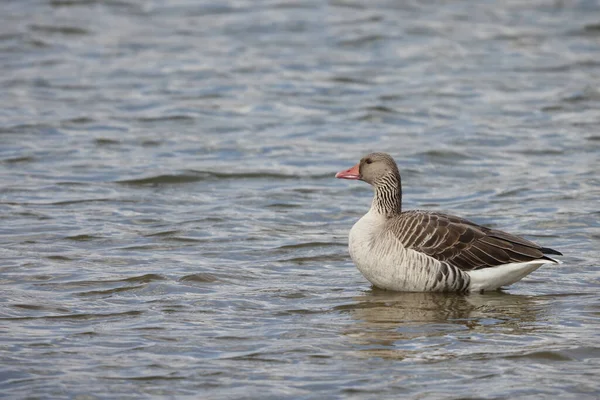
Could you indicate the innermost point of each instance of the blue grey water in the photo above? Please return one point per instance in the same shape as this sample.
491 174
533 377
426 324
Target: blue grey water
170 224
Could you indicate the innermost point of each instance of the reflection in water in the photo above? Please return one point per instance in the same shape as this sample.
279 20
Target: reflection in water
400 325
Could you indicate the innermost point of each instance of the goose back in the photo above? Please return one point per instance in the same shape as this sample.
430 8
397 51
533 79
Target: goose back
460 242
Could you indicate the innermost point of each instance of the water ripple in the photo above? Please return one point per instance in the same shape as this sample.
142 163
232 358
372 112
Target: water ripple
172 227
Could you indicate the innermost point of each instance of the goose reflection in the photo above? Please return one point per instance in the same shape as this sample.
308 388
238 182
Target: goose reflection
399 325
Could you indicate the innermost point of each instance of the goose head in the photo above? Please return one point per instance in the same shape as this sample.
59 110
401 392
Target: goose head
376 169
380 171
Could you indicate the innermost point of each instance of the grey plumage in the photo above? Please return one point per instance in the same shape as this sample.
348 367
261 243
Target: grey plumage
431 251
462 243
457 241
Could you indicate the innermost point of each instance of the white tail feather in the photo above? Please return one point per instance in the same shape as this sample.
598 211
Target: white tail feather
503 275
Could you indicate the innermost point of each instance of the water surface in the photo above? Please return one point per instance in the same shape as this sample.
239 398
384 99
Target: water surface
170 225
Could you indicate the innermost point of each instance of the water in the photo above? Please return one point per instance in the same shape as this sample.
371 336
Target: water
171 227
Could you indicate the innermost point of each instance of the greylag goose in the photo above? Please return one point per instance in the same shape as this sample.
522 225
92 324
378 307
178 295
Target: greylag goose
424 251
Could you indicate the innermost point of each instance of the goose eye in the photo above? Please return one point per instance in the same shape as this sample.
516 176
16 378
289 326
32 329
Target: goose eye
368 161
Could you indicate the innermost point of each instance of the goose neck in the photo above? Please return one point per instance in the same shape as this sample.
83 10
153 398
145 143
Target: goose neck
388 195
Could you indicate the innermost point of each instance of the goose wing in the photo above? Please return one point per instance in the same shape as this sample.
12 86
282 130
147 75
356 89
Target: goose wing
462 243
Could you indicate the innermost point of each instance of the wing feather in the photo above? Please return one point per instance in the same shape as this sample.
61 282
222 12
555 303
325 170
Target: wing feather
462 243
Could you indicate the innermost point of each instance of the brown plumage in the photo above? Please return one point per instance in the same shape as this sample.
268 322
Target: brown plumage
462 243
453 240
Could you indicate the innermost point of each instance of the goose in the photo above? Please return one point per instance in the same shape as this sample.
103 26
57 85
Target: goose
426 251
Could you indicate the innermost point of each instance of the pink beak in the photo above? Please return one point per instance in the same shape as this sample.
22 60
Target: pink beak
352 173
